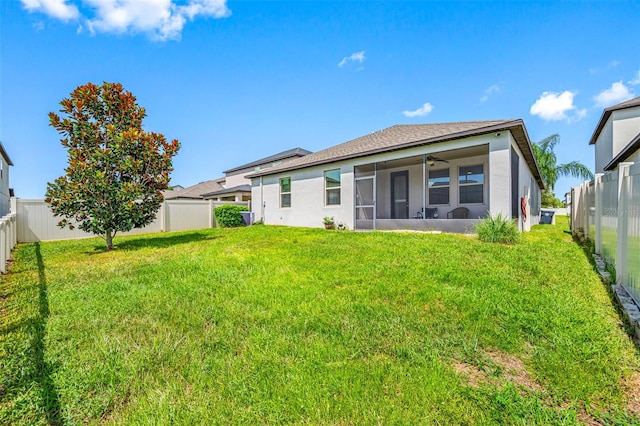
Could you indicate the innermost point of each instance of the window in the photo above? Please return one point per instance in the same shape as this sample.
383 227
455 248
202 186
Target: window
285 192
332 187
471 184
439 186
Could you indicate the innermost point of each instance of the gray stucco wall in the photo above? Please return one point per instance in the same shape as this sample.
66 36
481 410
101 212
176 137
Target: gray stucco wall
619 130
5 199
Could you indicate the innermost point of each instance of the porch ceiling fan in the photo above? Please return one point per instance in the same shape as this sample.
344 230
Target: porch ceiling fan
432 159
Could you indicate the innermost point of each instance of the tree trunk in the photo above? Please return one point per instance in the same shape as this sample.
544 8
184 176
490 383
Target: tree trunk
109 239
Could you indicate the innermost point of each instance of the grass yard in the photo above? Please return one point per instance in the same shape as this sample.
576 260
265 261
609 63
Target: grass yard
270 325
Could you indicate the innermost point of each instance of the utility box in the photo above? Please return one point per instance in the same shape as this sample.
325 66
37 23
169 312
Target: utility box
248 218
547 217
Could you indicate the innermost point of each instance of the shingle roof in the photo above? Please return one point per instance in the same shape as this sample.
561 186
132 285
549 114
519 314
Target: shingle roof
195 191
295 152
409 135
607 113
3 152
625 153
239 188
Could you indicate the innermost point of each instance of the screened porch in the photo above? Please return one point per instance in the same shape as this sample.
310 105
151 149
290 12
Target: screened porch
444 191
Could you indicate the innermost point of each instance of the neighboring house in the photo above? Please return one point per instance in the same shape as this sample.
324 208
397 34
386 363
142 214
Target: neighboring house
5 191
617 136
234 186
194 192
399 177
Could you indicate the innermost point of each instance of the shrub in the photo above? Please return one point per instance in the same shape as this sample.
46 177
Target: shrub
229 216
498 229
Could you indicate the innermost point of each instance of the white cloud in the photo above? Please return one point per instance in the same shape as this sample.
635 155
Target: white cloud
355 57
420 112
617 93
610 65
579 115
58 9
552 106
491 90
161 19
636 80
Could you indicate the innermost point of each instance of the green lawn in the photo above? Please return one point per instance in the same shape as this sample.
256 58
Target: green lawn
275 325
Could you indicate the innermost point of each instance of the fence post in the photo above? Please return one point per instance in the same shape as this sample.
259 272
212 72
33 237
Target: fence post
211 218
14 230
597 214
163 216
3 245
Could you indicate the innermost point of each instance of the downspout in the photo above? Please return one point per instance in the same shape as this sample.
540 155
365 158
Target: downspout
375 194
262 204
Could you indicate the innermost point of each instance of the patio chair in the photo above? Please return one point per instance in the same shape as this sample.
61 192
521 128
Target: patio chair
458 213
429 213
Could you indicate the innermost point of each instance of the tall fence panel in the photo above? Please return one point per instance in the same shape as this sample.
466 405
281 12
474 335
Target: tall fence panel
632 202
183 215
607 210
608 218
590 203
35 221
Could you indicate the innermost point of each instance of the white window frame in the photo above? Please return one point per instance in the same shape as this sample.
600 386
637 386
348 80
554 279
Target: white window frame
429 203
483 184
285 192
332 188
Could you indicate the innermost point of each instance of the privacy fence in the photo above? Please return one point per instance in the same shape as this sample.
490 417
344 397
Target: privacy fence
35 221
8 239
607 211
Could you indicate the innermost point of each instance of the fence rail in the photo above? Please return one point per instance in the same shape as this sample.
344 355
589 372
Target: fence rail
607 211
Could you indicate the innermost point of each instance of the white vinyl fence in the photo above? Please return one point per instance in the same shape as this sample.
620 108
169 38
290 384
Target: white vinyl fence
8 239
607 210
35 222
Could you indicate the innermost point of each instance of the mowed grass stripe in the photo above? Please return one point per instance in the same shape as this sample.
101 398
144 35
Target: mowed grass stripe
284 325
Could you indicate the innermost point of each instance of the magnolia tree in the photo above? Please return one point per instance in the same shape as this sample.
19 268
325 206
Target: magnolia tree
116 170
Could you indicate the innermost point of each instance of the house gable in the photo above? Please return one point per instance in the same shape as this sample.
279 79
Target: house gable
614 135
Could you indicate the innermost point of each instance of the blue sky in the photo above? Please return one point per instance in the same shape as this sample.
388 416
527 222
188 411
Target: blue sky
237 81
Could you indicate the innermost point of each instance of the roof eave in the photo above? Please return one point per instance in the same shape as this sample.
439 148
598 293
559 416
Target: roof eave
625 153
235 189
509 125
294 152
5 155
606 114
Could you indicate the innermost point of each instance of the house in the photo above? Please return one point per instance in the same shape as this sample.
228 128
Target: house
234 186
424 176
617 136
5 191
194 192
